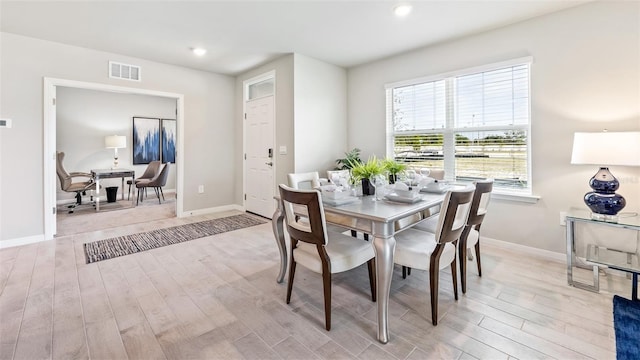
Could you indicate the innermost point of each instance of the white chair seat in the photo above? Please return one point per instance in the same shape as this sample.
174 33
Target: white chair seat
344 251
414 247
429 224
473 238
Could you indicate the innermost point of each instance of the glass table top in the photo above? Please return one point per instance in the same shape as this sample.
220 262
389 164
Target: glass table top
626 219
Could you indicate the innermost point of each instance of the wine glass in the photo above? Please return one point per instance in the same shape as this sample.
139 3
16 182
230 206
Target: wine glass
379 182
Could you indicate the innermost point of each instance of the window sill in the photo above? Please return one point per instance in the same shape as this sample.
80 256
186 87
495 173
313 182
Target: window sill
514 196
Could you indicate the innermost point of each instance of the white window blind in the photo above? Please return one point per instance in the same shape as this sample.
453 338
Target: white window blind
473 124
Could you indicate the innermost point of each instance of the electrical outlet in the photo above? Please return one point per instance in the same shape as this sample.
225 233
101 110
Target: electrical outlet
563 218
201 189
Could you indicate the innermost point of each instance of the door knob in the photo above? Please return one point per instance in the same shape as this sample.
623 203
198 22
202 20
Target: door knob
270 163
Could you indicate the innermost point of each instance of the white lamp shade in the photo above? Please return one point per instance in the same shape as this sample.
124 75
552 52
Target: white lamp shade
606 148
115 141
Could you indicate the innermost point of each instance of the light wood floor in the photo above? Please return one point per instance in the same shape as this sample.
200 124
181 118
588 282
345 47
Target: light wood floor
216 298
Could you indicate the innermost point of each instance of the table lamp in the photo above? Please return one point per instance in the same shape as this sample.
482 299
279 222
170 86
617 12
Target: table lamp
605 149
115 142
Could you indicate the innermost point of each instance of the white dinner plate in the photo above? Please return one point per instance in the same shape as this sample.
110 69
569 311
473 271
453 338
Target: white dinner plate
404 199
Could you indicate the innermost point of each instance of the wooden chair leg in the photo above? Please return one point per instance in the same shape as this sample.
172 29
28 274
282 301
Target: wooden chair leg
478 258
462 255
326 281
371 266
454 278
434 274
292 273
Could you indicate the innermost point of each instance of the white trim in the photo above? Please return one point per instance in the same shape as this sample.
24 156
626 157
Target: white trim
467 71
539 253
21 241
212 210
49 148
512 196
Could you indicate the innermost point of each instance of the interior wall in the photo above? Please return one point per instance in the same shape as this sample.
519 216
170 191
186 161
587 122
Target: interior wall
585 77
209 146
320 114
85 117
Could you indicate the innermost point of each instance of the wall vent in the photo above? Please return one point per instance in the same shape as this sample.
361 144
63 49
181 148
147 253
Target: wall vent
124 71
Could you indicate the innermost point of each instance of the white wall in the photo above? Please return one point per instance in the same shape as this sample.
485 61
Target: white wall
320 113
209 146
85 117
585 77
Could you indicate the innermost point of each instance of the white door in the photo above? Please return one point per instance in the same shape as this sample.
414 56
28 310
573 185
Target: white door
259 164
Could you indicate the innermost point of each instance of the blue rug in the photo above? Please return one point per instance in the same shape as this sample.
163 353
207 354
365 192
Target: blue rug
626 321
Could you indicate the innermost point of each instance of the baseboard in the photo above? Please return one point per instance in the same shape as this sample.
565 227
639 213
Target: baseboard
211 210
21 241
539 253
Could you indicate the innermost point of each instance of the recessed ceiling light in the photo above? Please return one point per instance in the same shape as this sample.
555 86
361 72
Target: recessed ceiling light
199 51
402 10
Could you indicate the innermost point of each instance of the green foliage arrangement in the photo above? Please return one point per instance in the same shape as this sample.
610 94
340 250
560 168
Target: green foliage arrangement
393 167
351 157
366 170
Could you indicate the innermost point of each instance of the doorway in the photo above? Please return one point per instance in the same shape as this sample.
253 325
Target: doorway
49 150
259 140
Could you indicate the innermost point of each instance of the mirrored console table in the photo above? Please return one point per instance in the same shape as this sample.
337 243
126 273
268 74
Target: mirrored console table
599 254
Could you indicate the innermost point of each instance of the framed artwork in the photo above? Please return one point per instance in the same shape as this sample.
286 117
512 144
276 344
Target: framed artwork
146 140
168 141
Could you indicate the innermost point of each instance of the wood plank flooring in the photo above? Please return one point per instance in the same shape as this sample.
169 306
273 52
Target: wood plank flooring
216 298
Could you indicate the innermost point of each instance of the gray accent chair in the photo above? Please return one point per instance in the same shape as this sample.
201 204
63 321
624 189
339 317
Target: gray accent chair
157 182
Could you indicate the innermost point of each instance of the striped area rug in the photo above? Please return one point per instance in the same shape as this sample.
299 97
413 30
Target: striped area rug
131 244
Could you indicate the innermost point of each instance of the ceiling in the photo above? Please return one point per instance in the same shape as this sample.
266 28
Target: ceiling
239 35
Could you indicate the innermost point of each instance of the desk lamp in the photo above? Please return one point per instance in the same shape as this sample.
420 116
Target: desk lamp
604 149
115 142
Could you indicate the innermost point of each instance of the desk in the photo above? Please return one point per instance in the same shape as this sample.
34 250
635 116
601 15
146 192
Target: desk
382 219
99 174
584 216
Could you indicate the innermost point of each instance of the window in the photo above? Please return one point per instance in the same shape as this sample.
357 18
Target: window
474 124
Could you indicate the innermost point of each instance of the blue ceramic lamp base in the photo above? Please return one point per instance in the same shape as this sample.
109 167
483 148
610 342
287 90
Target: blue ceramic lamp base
603 200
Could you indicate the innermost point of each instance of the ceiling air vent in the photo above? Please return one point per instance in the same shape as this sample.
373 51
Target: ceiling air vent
124 71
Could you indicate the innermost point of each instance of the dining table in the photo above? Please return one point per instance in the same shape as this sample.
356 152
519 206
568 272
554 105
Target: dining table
381 219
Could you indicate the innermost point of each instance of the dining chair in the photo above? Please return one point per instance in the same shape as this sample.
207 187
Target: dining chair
471 234
308 180
149 173
435 251
470 238
319 250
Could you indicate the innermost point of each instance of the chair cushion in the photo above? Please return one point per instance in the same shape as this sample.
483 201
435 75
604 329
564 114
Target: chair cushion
345 253
414 249
429 224
473 237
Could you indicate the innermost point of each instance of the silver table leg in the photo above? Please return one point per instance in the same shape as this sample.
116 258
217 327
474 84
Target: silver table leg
571 256
278 231
385 248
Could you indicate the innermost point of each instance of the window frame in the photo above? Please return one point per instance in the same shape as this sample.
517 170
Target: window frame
524 194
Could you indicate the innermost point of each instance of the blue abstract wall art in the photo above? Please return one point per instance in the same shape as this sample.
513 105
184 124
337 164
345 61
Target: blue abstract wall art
146 140
168 141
